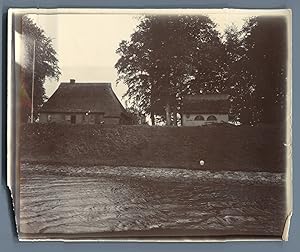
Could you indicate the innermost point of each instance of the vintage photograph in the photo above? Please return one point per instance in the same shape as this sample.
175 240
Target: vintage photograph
150 124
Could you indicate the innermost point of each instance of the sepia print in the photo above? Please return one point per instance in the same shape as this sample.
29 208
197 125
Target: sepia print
150 124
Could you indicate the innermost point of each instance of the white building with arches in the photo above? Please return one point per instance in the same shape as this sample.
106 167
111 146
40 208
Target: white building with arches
199 110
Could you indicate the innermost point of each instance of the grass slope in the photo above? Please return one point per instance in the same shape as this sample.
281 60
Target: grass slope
244 148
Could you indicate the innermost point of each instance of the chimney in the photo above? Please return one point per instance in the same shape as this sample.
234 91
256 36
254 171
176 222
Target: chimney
72 81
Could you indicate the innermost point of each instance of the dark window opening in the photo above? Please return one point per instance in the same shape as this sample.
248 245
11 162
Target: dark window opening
211 118
199 118
73 119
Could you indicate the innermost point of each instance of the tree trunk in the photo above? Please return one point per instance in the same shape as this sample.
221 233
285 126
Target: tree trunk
152 119
175 118
168 114
181 119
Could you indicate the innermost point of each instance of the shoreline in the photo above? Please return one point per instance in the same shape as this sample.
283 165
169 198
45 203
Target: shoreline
128 173
111 164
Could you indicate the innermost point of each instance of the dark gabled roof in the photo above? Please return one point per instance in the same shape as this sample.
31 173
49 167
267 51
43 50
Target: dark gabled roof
206 104
84 97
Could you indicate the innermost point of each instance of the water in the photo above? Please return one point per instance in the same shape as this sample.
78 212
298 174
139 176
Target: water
70 200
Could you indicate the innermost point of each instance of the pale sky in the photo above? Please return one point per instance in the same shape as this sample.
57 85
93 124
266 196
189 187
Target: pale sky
86 44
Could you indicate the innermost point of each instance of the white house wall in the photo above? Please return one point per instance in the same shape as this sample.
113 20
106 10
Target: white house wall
190 120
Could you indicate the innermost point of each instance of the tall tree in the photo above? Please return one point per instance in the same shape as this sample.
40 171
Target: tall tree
237 78
256 63
168 57
265 40
46 66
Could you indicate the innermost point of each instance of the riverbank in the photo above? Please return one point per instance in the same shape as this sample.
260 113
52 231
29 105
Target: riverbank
30 170
226 148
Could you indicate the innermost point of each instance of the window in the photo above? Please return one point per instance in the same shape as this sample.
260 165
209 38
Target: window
211 118
199 118
73 119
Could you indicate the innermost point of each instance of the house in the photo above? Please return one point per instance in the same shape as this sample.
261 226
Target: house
83 103
201 110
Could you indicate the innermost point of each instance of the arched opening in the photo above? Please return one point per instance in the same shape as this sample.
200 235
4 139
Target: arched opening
211 118
199 118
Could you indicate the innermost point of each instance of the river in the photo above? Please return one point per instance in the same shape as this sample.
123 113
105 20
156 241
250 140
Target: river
101 200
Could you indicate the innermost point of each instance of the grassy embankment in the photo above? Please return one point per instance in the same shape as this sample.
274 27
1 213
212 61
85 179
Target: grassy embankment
222 148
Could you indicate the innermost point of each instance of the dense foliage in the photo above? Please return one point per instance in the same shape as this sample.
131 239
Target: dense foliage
168 57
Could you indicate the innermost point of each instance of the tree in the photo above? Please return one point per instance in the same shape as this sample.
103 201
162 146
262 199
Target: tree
168 57
237 78
46 66
256 70
136 116
265 41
